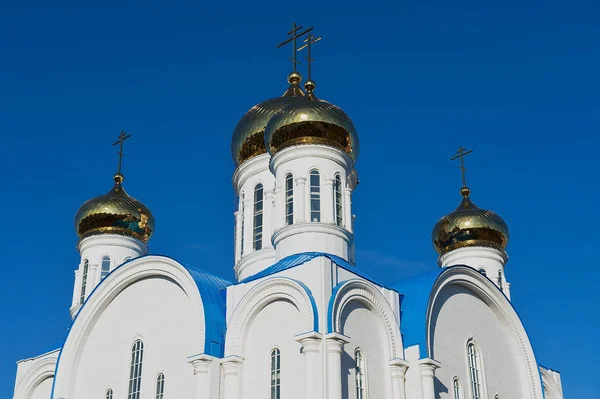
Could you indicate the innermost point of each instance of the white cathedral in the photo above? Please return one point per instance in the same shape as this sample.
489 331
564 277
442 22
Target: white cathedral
301 320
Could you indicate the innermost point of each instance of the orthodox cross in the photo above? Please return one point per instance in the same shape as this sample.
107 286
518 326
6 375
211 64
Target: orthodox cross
295 35
461 154
309 40
122 137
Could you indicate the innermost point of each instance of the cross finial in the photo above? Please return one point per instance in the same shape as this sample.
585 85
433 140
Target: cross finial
295 35
122 137
461 154
309 41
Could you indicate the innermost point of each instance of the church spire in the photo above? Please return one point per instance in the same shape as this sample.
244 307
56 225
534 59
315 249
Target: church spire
122 137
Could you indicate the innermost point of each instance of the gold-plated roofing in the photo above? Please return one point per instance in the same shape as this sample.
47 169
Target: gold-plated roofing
469 226
312 121
115 213
248 135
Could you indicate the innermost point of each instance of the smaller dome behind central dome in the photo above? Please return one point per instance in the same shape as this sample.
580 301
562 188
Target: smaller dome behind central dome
248 135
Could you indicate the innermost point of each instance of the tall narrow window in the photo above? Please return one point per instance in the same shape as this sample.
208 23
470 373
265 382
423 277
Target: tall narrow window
500 279
242 226
105 265
275 374
86 265
337 198
160 386
258 217
359 368
135 372
474 370
289 199
315 196
109 394
457 393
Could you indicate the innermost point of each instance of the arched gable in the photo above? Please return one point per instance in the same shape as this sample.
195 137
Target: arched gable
485 290
264 293
551 388
369 295
117 281
41 370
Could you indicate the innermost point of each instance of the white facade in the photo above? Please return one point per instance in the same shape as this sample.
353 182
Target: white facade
301 322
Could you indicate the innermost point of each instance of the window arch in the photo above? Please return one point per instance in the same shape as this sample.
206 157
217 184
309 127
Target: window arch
457 388
109 394
289 199
86 265
257 234
474 370
360 370
275 374
104 266
315 196
135 371
160 386
242 225
337 198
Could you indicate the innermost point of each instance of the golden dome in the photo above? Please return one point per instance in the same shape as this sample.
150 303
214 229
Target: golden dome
115 213
248 135
312 121
469 226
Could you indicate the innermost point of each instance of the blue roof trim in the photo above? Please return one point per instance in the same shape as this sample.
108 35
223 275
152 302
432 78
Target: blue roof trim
292 261
209 285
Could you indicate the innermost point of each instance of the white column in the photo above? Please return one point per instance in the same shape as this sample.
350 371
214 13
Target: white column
327 201
231 377
268 219
335 345
299 200
238 236
311 347
202 365
398 368
428 367
93 279
506 289
279 208
348 208
76 288
248 205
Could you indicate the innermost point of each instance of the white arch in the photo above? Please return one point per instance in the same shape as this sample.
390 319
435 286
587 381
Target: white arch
264 293
366 293
41 369
487 291
117 281
550 386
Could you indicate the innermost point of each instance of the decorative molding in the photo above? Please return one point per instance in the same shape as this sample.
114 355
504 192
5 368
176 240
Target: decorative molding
311 151
251 258
41 369
249 168
261 295
368 294
489 293
458 256
112 240
312 227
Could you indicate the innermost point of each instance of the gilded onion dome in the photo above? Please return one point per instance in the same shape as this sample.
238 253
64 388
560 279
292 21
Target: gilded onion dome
248 135
312 121
115 213
469 226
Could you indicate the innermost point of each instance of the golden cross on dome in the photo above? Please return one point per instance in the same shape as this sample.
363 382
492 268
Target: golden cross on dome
295 35
309 41
461 154
122 137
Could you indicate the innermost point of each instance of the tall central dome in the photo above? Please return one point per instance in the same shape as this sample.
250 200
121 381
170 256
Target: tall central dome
248 135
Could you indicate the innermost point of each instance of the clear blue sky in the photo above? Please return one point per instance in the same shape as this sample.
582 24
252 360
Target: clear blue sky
516 81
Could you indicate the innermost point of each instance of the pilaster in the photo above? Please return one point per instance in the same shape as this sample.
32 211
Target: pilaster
202 365
230 367
311 348
398 369
428 367
335 346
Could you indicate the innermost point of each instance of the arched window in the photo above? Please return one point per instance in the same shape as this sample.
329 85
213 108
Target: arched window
315 196
86 265
258 217
289 199
109 394
275 374
337 198
135 372
360 369
482 271
105 266
160 386
457 391
500 284
242 226
474 370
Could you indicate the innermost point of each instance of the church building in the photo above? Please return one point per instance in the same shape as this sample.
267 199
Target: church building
301 320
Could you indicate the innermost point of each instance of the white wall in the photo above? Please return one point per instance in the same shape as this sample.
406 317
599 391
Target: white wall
459 316
43 390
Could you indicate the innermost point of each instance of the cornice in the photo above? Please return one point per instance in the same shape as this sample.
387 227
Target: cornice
458 255
311 151
255 256
115 240
250 167
311 227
